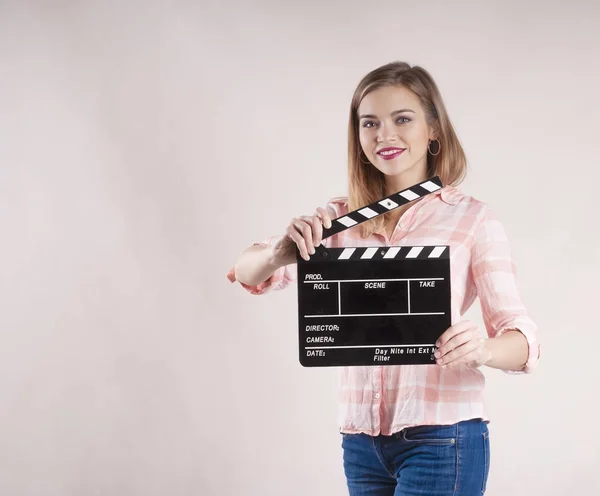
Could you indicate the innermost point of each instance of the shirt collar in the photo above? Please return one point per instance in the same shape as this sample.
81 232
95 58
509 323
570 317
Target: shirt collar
449 195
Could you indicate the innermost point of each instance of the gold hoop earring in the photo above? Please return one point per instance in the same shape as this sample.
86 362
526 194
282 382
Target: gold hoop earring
438 149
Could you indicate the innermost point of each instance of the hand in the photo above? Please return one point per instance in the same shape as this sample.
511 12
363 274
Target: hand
462 343
304 232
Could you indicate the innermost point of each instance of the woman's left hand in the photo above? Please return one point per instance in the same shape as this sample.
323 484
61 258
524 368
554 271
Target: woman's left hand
462 344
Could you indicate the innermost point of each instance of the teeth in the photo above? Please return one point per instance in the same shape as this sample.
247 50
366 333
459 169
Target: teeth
389 152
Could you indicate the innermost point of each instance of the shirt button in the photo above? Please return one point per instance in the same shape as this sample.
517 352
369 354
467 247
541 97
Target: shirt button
377 395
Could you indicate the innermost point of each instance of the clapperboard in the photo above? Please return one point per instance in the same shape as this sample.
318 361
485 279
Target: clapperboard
373 305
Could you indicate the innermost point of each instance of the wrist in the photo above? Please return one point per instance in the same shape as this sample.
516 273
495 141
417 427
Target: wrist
488 353
275 259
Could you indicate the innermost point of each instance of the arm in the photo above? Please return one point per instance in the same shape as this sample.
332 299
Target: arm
508 351
258 270
512 343
462 343
271 264
256 264
513 336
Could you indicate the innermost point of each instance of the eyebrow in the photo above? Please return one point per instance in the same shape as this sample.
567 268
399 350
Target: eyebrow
371 116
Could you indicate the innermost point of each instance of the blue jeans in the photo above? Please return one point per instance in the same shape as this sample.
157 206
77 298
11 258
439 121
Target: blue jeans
446 460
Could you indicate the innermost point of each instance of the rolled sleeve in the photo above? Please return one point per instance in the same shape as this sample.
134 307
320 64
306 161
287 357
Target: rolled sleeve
529 329
281 278
495 277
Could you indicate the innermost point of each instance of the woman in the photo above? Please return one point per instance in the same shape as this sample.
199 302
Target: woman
414 429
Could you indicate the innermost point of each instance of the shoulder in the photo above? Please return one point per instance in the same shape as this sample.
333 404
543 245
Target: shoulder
485 222
456 197
471 213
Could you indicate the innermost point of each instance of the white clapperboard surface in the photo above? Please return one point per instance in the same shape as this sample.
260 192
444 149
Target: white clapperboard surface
373 305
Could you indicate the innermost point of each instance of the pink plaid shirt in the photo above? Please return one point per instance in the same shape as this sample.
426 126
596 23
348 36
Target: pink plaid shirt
385 399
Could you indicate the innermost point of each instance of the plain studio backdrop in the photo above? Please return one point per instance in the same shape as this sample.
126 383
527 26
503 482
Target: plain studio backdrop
144 145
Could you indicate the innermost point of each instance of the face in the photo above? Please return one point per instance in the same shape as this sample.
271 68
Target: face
394 133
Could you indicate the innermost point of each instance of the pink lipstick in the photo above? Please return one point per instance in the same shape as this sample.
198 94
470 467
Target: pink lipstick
390 153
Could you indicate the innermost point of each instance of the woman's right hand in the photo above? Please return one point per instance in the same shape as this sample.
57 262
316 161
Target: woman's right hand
304 232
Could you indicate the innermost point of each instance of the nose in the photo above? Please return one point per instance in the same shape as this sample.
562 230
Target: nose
386 133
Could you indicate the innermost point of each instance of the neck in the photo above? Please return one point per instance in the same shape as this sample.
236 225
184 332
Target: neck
404 180
400 182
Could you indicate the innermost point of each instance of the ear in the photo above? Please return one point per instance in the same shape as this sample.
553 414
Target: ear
432 133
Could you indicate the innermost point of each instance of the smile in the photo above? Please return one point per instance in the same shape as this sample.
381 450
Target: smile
390 153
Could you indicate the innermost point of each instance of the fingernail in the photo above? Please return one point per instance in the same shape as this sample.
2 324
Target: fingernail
437 354
440 361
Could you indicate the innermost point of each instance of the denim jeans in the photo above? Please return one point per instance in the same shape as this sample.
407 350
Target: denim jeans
448 460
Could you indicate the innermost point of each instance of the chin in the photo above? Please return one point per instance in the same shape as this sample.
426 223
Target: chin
392 170
394 167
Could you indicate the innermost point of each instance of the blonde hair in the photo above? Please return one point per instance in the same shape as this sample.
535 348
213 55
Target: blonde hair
365 183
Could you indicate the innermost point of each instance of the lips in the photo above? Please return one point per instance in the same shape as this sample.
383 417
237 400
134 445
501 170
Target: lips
390 153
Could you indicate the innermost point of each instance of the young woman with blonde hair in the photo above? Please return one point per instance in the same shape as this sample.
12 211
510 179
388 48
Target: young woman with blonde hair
413 429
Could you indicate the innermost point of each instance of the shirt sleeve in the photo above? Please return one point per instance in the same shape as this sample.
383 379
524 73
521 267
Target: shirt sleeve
495 277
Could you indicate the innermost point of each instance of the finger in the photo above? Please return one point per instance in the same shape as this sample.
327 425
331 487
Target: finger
299 240
455 342
325 217
472 359
305 230
453 331
458 355
317 229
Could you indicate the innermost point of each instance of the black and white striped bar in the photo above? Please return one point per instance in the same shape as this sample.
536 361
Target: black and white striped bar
382 206
390 253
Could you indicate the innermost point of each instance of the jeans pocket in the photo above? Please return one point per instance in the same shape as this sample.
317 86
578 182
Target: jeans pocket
486 460
436 435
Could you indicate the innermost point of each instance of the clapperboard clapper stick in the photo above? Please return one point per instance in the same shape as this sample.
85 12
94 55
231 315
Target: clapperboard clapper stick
373 305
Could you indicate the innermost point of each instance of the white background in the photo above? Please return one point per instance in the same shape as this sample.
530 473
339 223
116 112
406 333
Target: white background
144 145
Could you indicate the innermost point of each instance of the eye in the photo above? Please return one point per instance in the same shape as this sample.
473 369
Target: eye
369 124
402 120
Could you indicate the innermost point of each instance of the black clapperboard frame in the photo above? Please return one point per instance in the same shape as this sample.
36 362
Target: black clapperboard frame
383 305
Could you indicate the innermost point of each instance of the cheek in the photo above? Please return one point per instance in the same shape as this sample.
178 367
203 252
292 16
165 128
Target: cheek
365 143
418 138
